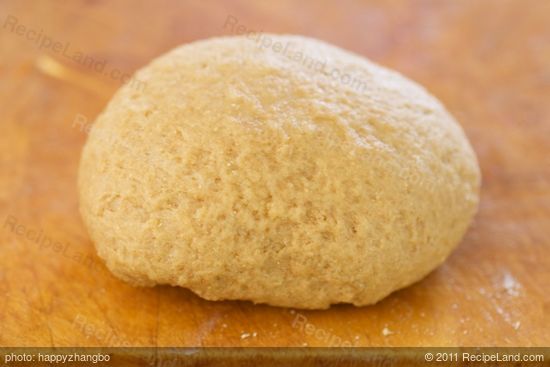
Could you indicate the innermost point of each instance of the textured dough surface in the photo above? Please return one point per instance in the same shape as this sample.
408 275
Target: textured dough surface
240 173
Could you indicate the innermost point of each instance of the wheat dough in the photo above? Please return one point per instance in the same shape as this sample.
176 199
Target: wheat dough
240 172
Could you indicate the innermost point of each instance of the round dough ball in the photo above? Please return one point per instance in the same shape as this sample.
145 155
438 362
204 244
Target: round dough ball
300 176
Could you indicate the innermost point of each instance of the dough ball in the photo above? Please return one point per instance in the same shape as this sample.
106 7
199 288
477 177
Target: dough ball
298 176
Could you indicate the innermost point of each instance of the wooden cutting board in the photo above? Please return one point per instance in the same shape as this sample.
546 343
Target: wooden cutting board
60 62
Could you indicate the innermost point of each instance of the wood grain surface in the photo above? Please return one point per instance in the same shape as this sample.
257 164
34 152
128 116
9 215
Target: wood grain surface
60 62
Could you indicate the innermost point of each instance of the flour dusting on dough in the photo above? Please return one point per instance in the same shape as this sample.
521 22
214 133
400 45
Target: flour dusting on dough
510 284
